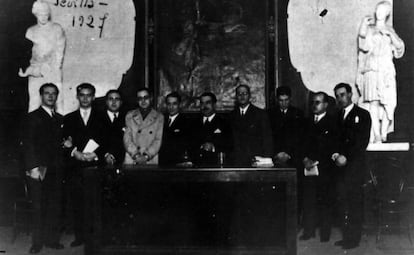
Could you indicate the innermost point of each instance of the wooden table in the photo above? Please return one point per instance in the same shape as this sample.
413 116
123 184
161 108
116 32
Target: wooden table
125 206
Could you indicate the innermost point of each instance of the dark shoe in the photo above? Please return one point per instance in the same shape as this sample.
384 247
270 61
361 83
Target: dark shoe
56 246
339 243
76 243
305 237
35 249
350 245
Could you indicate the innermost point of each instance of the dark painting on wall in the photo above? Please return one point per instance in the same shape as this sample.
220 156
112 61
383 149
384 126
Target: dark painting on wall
210 45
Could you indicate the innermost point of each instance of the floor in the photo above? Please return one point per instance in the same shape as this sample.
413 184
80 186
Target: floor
390 244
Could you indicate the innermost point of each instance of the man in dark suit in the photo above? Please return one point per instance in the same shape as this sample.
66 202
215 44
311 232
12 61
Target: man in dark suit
113 126
320 142
250 128
287 125
81 127
42 146
211 133
175 137
354 131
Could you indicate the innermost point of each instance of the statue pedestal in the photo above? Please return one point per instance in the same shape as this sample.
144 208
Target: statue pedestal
404 146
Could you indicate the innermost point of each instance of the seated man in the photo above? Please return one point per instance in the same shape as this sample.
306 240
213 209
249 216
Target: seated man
113 126
175 138
211 134
251 130
143 133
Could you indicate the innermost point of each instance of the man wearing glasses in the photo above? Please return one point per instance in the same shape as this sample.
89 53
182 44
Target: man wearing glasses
143 133
320 142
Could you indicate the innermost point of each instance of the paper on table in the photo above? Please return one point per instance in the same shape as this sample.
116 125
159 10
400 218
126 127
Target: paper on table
91 146
313 171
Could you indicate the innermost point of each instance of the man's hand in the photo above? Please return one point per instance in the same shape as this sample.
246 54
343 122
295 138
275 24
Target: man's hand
67 143
140 159
282 157
34 173
79 155
90 156
109 159
208 147
308 163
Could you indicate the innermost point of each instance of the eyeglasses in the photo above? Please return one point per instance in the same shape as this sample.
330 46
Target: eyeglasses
143 98
316 102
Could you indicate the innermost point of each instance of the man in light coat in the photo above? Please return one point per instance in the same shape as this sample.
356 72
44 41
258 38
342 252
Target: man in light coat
143 134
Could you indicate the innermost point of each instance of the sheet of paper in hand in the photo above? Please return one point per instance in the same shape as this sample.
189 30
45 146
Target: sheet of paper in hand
91 146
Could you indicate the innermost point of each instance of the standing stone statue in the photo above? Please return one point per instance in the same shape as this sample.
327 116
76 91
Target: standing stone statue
47 55
378 45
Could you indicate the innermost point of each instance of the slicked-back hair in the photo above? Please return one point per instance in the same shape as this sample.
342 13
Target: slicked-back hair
211 95
175 95
321 93
85 86
112 91
343 85
48 85
243 86
145 89
283 91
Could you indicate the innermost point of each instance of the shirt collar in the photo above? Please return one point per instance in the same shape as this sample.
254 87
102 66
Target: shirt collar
87 110
173 117
112 114
48 110
210 118
244 109
320 116
348 109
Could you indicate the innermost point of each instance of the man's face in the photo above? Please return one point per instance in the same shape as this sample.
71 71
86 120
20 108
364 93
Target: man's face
283 101
242 96
207 106
144 100
173 106
343 98
114 102
49 97
318 105
85 97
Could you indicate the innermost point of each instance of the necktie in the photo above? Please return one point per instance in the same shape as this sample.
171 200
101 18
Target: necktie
316 119
115 117
343 115
242 113
205 121
53 113
169 121
84 117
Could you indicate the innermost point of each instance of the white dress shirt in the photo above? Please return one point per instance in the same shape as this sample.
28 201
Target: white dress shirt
112 115
317 118
244 110
210 118
348 109
171 119
85 114
48 110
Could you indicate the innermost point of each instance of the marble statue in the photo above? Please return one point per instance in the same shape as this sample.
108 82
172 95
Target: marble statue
378 45
47 55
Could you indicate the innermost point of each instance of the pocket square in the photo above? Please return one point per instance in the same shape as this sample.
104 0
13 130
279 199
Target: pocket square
123 129
327 131
356 119
176 130
217 131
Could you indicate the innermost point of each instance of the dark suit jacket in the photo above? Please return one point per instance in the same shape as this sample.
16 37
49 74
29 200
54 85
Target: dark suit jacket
320 142
113 135
287 130
42 142
252 135
218 132
354 133
175 141
81 134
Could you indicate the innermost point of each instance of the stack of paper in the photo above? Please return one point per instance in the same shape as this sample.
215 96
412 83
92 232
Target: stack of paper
262 162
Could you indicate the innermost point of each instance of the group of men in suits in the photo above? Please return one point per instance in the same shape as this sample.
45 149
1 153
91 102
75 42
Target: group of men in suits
333 145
